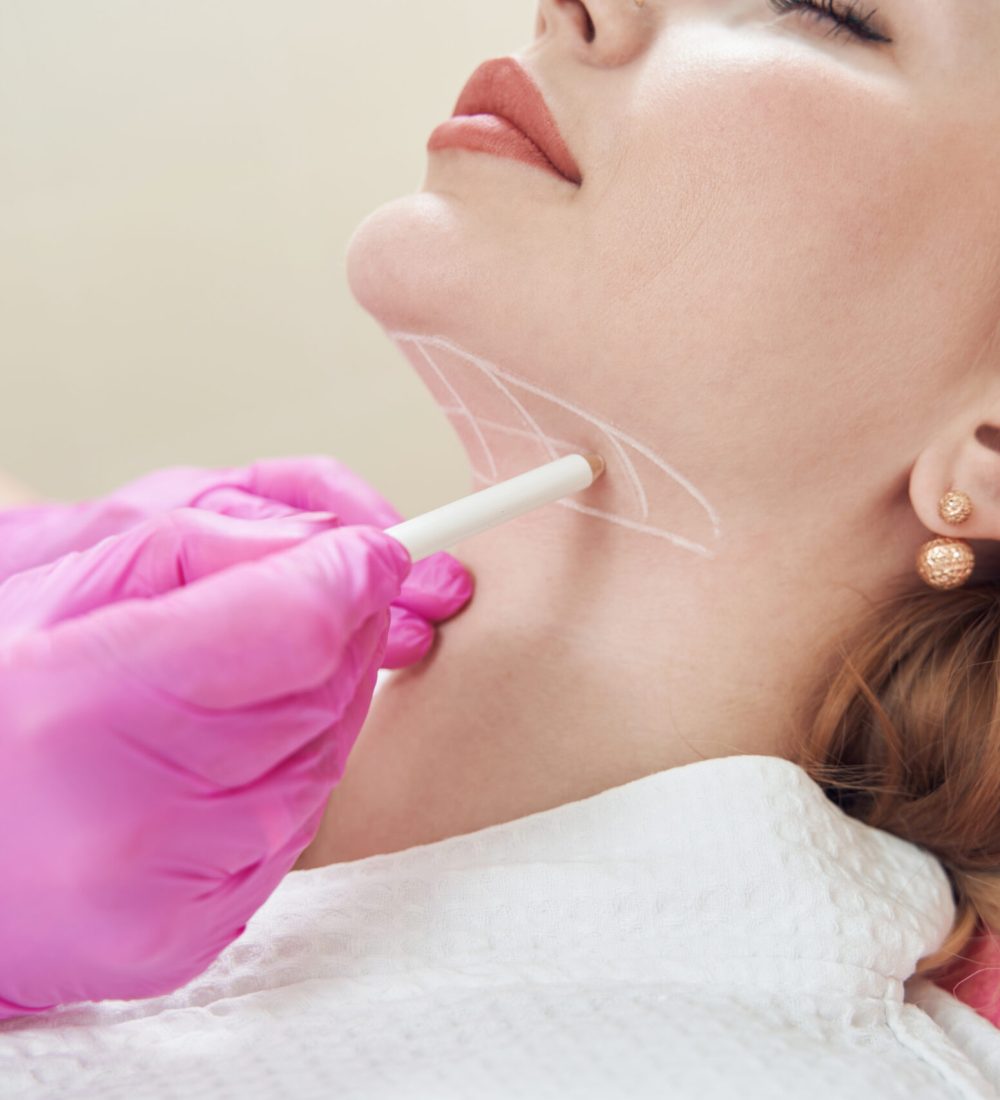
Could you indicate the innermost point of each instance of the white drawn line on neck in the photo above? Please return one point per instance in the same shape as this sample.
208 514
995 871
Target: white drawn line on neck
611 430
508 429
634 479
463 407
491 372
643 528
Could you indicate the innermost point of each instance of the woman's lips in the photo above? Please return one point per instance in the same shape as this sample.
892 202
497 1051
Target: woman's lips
490 134
502 111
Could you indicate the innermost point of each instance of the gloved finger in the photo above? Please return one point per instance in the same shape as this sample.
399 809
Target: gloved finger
310 483
169 550
41 533
258 630
227 899
225 490
321 483
287 802
183 752
231 850
167 488
305 783
46 531
299 484
410 638
228 500
437 588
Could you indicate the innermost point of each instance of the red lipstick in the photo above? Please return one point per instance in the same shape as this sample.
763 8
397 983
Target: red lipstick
502 111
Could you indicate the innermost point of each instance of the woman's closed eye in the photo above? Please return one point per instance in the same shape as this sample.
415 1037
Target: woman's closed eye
844 15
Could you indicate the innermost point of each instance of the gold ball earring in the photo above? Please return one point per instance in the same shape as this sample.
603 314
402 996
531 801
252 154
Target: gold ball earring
955 506
946 563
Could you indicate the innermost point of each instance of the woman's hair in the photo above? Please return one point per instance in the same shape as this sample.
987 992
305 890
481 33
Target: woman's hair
906 738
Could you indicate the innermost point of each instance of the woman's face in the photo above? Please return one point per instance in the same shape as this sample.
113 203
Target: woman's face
783 260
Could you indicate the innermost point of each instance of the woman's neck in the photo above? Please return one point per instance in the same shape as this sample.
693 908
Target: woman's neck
588 656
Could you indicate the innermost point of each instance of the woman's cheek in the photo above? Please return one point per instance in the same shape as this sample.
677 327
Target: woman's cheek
789 174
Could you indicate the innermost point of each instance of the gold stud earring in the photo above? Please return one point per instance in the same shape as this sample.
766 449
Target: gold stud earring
955 506
946 563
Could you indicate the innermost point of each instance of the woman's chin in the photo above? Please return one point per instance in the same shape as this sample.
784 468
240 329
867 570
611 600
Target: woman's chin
405 265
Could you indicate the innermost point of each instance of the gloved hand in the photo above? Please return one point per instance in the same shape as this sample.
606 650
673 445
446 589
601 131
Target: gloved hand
176 704
35 534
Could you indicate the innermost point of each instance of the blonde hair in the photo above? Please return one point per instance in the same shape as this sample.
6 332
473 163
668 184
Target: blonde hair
906 738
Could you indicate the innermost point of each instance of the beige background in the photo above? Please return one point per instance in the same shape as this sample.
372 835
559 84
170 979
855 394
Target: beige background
175 201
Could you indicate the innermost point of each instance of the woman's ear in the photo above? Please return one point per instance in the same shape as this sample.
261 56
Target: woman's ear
967 459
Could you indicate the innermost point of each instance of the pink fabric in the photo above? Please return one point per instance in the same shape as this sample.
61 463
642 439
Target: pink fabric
975 979
179 692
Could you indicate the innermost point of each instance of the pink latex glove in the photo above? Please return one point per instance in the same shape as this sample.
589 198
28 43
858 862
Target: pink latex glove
176 704
34 534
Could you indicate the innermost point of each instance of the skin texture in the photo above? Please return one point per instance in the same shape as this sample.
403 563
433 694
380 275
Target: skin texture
782 273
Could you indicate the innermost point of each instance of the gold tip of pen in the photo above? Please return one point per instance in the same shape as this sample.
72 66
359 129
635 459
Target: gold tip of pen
596 463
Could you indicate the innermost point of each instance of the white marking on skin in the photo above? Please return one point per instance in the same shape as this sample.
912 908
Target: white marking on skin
463 407
616 436
492 373
508 429
629 468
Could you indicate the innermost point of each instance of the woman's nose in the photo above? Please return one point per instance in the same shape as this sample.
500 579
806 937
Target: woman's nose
608 32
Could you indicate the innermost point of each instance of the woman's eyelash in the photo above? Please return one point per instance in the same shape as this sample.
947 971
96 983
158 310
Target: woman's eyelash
846 16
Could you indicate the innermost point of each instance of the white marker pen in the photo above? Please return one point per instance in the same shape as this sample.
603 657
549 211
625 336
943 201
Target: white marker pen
442 527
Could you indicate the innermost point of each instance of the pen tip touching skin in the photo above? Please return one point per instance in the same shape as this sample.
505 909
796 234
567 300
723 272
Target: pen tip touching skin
596 463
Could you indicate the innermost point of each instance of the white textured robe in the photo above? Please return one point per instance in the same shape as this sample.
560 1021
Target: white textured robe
717 930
